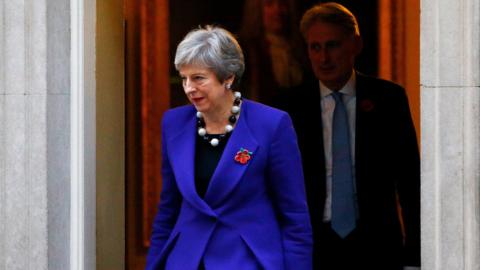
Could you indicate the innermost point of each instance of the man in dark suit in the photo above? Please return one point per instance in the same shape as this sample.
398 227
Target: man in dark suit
360 153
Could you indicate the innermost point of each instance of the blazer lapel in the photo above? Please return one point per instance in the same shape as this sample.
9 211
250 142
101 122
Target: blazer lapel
364 111
229 172
315 151
364 100
181 152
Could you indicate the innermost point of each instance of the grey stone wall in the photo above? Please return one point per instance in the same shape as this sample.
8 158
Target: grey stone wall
34 134
58 132
450 101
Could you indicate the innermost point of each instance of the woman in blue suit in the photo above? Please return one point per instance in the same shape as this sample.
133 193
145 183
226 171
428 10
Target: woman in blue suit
233 195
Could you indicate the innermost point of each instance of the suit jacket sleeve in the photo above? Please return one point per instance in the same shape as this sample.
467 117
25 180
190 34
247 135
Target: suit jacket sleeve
408 183
287 183
168 208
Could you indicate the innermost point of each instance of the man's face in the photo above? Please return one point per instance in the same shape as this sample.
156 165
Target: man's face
332 53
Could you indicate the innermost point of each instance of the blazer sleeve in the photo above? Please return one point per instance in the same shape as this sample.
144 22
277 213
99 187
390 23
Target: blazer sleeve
287 185
408 183
168 208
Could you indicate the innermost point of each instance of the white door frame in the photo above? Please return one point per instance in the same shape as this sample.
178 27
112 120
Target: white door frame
82 140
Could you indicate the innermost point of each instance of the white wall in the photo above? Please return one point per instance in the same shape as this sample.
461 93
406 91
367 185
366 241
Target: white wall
450 101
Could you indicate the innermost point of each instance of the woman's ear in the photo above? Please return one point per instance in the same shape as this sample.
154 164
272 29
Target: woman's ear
229 81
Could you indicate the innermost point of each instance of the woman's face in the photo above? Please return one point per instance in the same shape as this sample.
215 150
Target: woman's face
204 90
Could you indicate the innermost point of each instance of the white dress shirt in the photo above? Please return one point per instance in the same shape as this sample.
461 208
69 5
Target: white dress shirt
328 106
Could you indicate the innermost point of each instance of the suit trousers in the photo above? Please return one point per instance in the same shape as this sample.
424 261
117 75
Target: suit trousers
349 253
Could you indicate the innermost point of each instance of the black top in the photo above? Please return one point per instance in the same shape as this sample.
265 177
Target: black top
206 160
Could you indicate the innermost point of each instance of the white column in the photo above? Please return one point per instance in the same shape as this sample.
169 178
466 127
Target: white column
23 135
450 121
58 132
83 136
35 135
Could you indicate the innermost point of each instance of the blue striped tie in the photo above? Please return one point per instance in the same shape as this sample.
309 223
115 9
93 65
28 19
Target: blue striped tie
343 198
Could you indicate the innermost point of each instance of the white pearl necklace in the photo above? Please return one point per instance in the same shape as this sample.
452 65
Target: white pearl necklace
202 131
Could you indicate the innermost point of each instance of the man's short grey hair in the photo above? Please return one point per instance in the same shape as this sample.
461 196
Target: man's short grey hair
214 48
330 12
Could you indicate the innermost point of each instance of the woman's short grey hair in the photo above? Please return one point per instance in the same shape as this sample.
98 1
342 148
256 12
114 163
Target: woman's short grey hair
330 12
214 48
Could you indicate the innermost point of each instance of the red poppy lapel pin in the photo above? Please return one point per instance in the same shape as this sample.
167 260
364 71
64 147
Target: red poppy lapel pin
367 105
243 156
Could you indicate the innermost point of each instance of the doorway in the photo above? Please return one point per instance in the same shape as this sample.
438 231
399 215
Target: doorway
152 31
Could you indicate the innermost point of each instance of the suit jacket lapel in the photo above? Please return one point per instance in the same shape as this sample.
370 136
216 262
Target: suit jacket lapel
181 152
229 172
365 108
315 148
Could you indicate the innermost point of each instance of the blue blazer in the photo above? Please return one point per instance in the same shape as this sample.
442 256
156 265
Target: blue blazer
253 215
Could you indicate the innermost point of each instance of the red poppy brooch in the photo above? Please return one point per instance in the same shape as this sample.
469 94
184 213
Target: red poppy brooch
243 156
367 105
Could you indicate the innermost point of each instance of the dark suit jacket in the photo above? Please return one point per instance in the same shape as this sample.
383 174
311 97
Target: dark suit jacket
253 215
387 168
